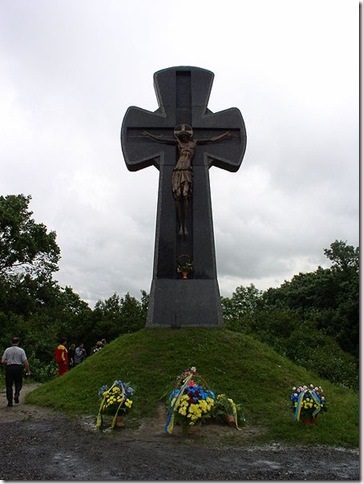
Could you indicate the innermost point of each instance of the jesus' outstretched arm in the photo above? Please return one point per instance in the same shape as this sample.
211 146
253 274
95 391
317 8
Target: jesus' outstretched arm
159 138
227 134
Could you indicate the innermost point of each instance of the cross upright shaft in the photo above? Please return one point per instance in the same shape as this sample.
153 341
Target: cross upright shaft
147 138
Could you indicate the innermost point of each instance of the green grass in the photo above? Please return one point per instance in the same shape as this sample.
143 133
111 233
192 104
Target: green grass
246 370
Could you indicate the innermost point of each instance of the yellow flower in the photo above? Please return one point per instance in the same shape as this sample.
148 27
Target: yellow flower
204 406
194 411
128 403
193 407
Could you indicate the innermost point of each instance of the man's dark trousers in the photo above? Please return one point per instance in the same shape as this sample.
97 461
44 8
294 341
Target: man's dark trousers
13 376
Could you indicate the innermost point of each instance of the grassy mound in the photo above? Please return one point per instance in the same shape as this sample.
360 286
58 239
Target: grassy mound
249 372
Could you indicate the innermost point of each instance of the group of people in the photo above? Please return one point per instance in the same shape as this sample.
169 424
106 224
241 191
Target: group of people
74 355
15 360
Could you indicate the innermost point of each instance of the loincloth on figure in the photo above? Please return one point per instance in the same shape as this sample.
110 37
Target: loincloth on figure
181 180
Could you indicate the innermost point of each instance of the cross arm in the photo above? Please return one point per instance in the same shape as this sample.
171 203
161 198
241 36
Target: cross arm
141 151
225 150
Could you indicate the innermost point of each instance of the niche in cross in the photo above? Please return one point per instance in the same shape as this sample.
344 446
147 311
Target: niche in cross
183 139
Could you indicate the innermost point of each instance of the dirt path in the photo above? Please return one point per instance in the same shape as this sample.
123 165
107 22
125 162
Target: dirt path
40 444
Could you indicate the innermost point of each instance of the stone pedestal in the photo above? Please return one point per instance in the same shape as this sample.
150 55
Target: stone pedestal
184 303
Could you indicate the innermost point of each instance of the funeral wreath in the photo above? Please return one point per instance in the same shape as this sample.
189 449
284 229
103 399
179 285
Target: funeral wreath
307 402
192 402
114 400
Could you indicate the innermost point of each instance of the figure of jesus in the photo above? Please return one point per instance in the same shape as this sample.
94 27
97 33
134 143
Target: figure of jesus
182 177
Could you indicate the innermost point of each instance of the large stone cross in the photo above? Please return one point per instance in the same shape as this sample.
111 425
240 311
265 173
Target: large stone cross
151 138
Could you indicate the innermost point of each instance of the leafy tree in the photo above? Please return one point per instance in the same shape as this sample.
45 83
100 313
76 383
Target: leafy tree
73 314
344 257
25 246
117 315
34 307
313 319
327 297
245 300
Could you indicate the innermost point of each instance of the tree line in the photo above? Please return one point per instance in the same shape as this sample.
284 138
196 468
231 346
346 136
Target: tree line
36 308
312 319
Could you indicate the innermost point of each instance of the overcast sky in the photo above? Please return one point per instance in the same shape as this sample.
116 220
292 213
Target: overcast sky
69 69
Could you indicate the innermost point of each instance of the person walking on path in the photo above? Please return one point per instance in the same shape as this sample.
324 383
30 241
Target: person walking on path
15 360
61 357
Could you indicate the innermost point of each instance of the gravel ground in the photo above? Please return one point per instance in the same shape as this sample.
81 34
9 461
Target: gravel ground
39 444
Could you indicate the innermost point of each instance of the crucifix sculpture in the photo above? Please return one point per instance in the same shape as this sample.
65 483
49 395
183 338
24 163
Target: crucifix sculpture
182 176
183 139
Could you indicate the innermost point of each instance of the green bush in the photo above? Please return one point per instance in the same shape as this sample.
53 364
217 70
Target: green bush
299 340
40 371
